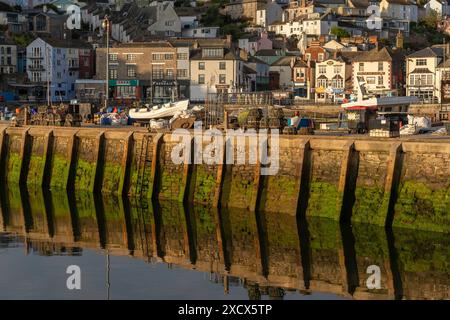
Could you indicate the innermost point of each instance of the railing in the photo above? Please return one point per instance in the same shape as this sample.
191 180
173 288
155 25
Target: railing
36 68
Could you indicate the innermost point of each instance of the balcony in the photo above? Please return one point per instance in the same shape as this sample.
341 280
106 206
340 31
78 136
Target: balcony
36 68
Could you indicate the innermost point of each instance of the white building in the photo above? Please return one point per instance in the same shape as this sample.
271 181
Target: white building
200 32
313 24
442 7
381 72
284 67
421 74
330 81
399 9
55 62
215 69
268 15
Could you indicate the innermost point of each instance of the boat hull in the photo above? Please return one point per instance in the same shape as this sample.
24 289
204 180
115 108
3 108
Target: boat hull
166 111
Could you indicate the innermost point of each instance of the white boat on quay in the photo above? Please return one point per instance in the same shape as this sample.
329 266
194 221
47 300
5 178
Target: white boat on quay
166 110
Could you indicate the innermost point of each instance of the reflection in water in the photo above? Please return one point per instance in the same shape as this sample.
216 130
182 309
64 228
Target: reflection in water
267 254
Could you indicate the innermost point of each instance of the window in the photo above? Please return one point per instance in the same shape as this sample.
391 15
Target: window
380 80
320 57
421 62
322 69
370 80
337 82
222 78
322 83
222 65
201 79
112 57
36 77
182 73
126 91
380 66
157 72
131 57
182 56
169 23
213 52
337 69
131 71
201 66
113 73
361 67
158 56
169 73
36 52
8 50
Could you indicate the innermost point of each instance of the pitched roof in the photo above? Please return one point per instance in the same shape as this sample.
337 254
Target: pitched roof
402 2
266 52
228 55
375 55
68 43
283 61
300 63
427 53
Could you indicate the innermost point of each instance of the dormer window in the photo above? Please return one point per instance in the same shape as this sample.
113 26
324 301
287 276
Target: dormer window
212 53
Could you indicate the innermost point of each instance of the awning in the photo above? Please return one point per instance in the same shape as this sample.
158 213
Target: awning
320 90
421 70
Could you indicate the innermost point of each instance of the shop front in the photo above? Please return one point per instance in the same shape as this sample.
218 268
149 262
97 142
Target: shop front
125 91
164 91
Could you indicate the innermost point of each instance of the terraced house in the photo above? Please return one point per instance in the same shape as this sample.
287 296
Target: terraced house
381 71
215 67
144 71
421 74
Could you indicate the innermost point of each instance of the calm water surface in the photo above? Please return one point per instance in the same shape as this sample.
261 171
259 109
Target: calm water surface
129 249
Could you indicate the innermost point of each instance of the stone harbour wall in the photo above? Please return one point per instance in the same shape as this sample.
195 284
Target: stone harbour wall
380 181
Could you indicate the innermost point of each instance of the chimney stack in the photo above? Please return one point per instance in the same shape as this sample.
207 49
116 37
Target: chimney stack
229 40
399 40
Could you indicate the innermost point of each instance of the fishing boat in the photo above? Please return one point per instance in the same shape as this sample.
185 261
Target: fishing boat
166 110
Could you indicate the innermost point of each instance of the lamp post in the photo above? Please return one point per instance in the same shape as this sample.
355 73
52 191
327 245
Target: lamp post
105 26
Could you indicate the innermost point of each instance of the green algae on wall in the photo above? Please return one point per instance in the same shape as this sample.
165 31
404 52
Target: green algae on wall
371 205
205 185
60 169
171 183
85 175
420 207
280 194
13 167
324 200
112 178
36 171
240 187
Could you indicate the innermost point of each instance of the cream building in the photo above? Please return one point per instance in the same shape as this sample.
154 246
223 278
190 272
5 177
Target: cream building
380 72
423 80
330 80
214 69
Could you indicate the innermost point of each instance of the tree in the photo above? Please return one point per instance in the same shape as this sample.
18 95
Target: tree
431 20
339 32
